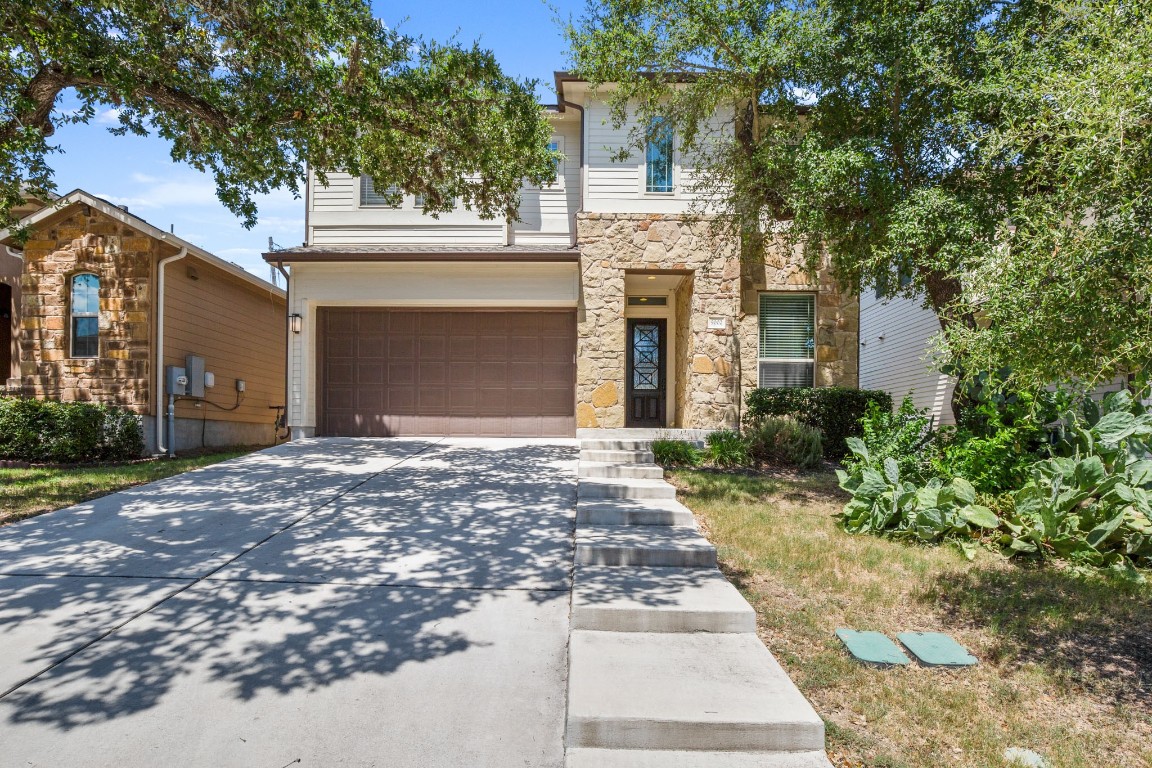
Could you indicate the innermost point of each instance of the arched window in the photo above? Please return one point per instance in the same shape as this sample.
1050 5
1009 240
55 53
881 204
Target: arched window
85 311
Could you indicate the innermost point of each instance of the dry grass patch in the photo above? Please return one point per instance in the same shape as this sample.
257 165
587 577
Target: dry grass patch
1065 661
30 492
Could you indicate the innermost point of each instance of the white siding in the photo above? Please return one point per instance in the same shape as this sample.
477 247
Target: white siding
618 186
547 215
895 354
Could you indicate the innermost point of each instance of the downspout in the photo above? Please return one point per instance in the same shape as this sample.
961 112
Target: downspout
159 394
580 109
14 254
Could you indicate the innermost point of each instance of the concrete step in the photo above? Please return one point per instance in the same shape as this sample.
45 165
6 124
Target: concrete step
606 469
648 545
633 512
658 600
614 444
686 691
623 488
618 457
660 758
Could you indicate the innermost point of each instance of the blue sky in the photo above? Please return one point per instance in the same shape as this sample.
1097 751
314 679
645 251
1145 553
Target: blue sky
138 172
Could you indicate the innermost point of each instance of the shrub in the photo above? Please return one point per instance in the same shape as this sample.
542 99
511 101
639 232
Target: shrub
41 430
675 453
1092 507
905 436
784 440
726 448
835 411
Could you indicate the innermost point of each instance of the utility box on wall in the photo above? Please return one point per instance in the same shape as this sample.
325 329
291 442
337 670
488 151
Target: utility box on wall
176 380
194 364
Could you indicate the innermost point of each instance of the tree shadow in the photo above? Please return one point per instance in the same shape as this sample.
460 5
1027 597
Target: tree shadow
438 555
1094 631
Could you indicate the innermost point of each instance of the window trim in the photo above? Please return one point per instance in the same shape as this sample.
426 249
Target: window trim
644 190
811 360
73 316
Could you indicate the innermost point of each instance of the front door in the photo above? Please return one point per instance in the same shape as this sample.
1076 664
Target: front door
647 388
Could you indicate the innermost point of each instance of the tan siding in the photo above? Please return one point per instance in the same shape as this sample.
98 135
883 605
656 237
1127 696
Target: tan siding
238 330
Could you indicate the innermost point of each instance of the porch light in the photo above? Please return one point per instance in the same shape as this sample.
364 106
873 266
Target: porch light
295 322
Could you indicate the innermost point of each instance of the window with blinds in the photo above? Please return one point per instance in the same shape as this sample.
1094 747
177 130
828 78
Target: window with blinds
369 196
787 339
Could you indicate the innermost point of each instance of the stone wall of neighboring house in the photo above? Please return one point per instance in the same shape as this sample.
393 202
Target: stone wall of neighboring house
714 366
123 260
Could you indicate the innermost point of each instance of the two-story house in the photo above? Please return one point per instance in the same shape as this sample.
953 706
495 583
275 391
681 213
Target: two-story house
612 302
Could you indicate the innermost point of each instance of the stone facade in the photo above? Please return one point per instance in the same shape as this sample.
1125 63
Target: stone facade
713 366
123 259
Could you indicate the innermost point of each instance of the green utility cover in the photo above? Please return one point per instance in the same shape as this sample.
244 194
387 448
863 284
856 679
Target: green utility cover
872 648
936 649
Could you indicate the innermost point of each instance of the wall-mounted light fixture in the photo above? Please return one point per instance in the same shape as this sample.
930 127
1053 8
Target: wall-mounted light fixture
295 322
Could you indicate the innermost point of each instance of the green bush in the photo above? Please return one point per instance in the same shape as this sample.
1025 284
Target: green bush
726 448
835 411
1092 506
784 440
675 453
43 430
906 436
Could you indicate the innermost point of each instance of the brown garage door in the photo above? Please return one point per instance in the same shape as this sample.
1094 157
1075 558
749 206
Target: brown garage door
447 372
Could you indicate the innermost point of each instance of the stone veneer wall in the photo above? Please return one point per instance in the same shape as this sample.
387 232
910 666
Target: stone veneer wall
123 260
715 367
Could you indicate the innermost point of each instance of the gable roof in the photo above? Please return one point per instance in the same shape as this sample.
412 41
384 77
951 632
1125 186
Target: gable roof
57 210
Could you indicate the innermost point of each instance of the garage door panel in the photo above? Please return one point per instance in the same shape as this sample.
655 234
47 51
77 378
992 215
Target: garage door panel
452 372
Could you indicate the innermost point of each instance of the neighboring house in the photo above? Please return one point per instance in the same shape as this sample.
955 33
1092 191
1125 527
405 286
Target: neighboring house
11 267
896 343
896 354
107 300
607 305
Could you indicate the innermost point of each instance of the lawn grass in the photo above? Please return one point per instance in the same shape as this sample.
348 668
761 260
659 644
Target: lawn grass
28 492
1065 660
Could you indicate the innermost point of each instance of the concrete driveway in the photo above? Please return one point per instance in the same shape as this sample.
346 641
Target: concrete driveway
333 602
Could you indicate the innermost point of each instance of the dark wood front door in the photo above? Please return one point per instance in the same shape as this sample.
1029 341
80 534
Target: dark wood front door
5 333
647 369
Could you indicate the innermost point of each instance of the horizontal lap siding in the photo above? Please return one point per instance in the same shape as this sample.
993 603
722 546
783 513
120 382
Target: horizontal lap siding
412 372
238 331
900 363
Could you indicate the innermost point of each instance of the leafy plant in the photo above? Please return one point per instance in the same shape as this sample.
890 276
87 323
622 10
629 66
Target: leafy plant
835 411
906 436
1095 505
726 448
675 453
784 440
884 503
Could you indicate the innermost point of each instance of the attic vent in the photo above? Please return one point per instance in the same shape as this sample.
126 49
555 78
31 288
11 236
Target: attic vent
193 274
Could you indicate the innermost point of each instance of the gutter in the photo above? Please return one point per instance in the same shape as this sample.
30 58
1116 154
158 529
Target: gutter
159 393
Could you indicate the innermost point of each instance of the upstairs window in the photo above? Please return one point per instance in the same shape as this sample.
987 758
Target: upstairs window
371 197
787 339
658 156
85 313
557 145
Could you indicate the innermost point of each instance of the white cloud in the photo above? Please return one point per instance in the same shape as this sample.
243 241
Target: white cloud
109 116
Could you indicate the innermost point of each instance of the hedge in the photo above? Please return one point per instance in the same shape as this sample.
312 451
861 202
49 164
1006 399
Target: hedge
835 411
43 430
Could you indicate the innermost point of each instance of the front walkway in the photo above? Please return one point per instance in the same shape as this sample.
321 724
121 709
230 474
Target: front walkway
331 602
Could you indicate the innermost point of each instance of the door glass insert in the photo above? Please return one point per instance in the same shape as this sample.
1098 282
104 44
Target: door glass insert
645 357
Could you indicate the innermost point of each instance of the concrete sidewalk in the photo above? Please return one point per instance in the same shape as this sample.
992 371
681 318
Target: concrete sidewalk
327 602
